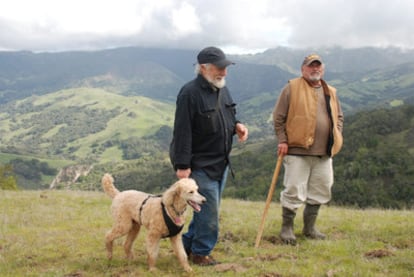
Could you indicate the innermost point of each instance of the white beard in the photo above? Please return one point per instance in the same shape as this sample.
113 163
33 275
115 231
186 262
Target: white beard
219 83
315 77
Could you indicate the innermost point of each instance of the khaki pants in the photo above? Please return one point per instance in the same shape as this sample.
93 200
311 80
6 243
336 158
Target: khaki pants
308 179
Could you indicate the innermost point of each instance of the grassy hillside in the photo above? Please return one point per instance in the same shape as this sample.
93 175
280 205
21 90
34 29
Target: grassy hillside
77 123
379 88
61 233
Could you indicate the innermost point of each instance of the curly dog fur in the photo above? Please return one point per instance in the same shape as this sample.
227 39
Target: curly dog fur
131 209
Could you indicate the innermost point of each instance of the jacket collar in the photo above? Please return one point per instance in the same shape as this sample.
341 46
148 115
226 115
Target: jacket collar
205 84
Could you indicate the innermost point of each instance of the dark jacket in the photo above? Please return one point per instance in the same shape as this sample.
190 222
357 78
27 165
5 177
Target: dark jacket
204 126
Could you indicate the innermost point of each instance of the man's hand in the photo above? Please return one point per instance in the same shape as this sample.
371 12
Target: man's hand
183 173
282 148
242 132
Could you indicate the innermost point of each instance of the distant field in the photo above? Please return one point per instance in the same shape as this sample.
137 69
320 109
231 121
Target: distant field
61 233
6 158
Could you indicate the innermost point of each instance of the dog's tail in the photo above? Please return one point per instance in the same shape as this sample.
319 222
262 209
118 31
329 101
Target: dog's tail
108 185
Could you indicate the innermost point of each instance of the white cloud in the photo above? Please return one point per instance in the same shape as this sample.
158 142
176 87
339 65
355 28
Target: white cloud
237 25
185 20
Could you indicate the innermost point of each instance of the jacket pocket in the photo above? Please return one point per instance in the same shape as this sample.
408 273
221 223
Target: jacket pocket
231 107
206 123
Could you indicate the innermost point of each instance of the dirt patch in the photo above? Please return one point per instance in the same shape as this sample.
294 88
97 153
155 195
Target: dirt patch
268 258
74 274
379 253
271 274
229 236
273 239
230 267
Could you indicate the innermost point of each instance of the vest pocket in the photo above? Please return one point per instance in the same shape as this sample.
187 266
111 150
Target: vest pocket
299 133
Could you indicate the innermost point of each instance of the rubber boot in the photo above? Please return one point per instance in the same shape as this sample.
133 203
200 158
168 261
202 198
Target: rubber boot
309 218
286 234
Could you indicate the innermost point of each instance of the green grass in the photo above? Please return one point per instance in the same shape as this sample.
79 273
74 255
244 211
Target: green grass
61 233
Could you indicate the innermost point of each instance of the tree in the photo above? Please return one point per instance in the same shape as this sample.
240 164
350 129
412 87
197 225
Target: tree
7 180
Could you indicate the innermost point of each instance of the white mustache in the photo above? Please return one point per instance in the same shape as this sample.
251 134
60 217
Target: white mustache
315 76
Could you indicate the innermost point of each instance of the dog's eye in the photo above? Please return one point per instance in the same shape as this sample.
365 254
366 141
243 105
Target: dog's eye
192 191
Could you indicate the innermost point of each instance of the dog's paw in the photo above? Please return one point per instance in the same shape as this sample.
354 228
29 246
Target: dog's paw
188 269
153 269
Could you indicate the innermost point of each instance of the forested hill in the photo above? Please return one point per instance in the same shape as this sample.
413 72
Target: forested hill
375 167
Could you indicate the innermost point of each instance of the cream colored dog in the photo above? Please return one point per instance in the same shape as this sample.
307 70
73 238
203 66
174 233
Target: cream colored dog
163 216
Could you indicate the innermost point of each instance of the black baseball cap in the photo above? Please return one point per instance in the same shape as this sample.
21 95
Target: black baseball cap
214 56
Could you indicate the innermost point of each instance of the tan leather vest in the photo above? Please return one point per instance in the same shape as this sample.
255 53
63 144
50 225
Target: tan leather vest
301 119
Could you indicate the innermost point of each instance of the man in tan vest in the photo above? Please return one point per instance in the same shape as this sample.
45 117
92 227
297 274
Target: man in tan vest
308 123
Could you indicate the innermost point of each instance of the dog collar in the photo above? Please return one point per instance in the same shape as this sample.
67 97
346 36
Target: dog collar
177 212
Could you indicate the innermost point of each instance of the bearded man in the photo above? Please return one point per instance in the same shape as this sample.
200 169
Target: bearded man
308 122
204 126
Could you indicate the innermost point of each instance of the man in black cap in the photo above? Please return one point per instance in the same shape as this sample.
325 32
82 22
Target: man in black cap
308 121
205 123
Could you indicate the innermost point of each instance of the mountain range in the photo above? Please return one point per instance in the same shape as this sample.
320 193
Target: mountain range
159 73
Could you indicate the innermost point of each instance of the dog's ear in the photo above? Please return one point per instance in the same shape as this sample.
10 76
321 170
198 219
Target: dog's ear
177 190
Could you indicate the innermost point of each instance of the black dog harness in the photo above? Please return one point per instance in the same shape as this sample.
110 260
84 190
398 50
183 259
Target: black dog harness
173 229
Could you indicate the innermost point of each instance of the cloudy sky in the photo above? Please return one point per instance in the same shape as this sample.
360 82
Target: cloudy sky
238 26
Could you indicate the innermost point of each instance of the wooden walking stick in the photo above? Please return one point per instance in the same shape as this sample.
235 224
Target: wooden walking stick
269 199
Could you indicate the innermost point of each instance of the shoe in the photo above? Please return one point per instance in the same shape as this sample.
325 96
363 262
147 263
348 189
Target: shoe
203 260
